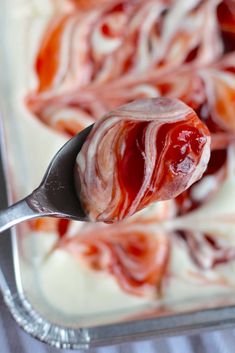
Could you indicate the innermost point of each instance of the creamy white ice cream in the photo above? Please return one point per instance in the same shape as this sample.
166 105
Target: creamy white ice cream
63 281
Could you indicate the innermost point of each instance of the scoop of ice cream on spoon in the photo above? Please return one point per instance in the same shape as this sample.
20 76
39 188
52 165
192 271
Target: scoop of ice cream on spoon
146 151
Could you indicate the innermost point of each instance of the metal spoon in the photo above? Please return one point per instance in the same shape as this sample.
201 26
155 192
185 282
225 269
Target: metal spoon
56 195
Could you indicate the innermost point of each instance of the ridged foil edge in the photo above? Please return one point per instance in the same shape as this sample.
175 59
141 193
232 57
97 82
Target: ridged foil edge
39 328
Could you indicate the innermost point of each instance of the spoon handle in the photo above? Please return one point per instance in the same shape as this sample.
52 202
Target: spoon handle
17 213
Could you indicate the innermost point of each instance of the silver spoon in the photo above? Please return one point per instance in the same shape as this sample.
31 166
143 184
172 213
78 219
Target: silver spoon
56 195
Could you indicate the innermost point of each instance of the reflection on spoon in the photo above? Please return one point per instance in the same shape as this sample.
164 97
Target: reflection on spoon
145 151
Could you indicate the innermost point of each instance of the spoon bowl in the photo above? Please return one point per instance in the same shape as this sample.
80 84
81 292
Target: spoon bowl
56 195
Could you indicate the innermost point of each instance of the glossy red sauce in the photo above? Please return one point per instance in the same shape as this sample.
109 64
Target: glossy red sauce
185 140
131 166
184 145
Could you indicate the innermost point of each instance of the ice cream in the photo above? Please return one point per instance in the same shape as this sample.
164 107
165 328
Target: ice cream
109 55
146 151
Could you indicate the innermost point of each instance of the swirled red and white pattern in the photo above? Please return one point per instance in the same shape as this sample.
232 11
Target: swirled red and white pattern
146 151
138 259
97 55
